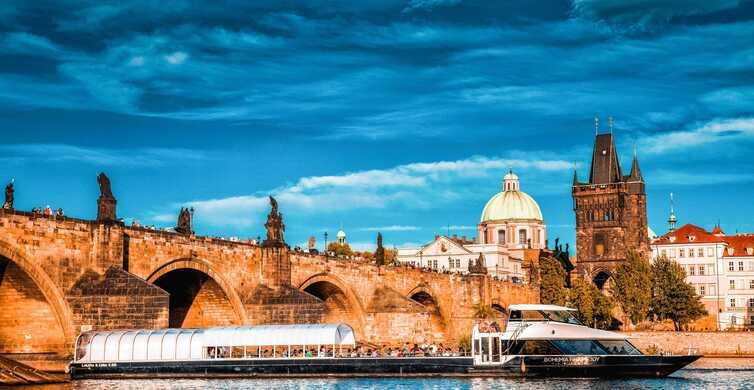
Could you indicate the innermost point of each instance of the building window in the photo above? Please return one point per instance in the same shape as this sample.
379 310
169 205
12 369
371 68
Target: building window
751 302
600 244
522 236
732 284
732 304
701 270
701 290
458 263
710 252
692 270
691 252
672 253
751 284
681 252
700 252
751 266
434 264
740 265
501 236
731 266
664 253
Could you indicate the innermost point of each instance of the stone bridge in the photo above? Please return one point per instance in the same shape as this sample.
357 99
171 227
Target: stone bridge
60 276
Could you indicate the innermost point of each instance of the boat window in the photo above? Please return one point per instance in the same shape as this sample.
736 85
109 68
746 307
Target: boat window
563 316
619 347
532 347
579 347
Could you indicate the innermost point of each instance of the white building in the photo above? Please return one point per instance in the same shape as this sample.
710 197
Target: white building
511 229
720 267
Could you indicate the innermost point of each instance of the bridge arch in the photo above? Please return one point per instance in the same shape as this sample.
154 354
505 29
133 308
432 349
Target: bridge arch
199 296
25 282
341 304
423 295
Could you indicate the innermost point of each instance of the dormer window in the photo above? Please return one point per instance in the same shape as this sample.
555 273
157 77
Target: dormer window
750 251
692 238
730 251
672 238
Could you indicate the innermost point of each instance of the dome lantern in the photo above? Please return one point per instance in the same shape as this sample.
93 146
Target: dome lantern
510 181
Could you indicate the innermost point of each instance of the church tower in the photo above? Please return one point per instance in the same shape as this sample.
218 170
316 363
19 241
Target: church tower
611 213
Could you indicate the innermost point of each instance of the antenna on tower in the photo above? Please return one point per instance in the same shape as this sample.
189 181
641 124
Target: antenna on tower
596 125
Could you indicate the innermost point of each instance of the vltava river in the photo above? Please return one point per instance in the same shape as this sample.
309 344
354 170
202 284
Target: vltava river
684 379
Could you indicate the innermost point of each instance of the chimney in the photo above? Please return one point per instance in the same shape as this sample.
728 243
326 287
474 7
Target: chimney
463 238
455 237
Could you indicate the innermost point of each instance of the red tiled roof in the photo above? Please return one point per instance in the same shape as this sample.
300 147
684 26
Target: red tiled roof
684 234
740 244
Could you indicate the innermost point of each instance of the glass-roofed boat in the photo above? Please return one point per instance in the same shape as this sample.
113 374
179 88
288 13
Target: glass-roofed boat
536 340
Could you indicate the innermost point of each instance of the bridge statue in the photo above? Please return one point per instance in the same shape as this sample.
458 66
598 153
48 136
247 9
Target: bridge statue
275 226
379 253
106 201
478 268
8 204
184 221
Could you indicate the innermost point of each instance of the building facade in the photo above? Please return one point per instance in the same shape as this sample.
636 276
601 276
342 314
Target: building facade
611 213
511 230
719 266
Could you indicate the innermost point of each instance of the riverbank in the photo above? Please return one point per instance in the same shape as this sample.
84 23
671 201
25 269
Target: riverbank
721 344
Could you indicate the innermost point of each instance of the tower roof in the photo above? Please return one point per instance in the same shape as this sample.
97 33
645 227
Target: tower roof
635 174
605 165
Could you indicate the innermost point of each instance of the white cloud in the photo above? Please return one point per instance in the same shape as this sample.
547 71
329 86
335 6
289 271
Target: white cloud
398 187
680 178
176 58
458 227
138 157
711 132
391 228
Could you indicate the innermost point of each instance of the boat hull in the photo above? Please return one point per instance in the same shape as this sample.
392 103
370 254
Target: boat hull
533 366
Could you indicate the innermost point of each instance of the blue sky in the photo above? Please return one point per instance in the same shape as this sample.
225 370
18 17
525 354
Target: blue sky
392 116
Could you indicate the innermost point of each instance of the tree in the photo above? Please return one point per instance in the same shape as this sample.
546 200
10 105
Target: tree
672 298
593 307
630 286
482 311
339 249
552 282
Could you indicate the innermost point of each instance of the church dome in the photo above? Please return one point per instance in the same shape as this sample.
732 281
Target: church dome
511 203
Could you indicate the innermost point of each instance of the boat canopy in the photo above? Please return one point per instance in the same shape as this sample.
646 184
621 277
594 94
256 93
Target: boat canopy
194 344
561 331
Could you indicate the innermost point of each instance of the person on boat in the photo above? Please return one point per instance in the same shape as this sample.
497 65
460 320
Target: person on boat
406 350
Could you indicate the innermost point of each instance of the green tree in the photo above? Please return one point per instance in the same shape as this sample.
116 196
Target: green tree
482 311
630 286
672 298
339 249
552 282
594 308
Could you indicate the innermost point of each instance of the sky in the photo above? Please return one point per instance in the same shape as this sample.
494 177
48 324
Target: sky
392 116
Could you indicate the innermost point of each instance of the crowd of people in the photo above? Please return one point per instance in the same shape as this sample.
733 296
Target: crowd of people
359 351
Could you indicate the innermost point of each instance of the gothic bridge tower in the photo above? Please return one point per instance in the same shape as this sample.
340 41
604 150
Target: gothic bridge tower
611 213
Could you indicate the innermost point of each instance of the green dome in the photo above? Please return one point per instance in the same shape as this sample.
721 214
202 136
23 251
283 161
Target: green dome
508 205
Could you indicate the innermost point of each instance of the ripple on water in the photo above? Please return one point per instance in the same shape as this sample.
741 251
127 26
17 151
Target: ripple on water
684 379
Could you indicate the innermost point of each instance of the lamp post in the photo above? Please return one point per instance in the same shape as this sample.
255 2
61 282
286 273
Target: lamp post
325 244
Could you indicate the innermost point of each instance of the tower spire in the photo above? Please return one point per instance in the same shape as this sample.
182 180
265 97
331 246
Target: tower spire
671 218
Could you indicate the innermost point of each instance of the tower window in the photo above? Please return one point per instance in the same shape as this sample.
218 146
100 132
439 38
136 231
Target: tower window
600 244
501 236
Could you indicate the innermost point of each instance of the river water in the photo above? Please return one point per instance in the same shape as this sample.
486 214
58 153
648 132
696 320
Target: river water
694 378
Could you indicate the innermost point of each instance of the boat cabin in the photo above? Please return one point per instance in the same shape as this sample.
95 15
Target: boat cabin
232 342
543 330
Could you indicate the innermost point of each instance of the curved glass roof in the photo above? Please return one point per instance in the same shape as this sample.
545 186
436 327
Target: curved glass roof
189 344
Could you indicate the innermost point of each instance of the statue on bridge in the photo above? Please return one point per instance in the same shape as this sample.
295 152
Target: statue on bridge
8 204
379 253
478 267
106 201
184 221
275 226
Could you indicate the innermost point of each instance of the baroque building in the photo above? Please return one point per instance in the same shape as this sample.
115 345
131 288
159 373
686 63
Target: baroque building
611 213
512 233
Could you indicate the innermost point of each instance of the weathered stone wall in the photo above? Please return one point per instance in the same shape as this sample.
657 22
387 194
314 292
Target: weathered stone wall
448 317
705 343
